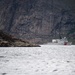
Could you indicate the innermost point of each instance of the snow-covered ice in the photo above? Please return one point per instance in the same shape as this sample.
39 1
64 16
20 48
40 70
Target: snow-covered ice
44 60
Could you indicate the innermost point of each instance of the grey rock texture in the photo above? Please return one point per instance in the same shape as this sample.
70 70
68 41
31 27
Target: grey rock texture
36 20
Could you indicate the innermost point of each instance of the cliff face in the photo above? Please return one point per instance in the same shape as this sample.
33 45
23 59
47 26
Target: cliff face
36 20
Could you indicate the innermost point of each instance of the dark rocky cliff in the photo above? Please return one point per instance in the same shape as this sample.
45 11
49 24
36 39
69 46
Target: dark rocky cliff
36 20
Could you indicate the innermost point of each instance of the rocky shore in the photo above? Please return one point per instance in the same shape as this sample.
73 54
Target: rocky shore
7 40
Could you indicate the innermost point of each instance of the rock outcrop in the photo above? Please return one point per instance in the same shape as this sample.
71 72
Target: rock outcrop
7 40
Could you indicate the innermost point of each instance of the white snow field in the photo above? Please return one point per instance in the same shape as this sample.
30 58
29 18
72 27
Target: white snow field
44 60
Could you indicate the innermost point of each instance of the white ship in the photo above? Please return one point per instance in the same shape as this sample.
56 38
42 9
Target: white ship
62 41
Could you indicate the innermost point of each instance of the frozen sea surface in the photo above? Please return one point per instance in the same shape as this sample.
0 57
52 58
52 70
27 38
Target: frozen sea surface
44 60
